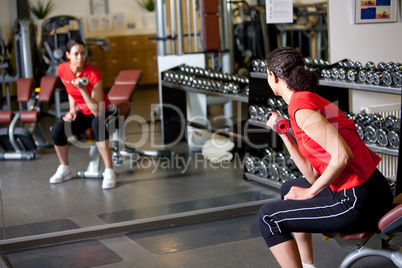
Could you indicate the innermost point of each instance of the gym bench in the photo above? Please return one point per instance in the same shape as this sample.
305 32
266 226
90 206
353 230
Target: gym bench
374 242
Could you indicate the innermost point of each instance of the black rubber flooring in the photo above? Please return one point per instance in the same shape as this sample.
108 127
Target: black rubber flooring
175 239
78 255
193 205
38 228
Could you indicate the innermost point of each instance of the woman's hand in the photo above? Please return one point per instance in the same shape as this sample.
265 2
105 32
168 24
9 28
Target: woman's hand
76 83
298 193
70 116
272 119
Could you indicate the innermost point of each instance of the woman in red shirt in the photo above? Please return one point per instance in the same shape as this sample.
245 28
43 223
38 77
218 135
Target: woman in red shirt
341 189
89 107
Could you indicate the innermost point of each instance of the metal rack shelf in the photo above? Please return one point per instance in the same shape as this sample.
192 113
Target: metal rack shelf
271 183
344 84
360 86
383 150
242 97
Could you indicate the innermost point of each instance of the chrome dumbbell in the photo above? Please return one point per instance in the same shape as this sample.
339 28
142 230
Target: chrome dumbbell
285 174
393 138
397 67
389 66
325 73
350 116
274 173
358 65
382 136
247 90
272 103
391 122
377 78
360 130
280 160
352 75
381 66
362 76
363 118
376 120
397 78
255 65
83 81
370 77
370 66
369 134
341 73
262 113
263 66
253 111
252 164
334 73
290 163
281 125
264 168
386 78
269 155
308 61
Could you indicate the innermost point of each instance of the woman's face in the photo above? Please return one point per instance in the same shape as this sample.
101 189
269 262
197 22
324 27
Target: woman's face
77 55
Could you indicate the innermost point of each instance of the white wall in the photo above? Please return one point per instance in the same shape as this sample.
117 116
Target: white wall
5 19
131 10
363 42
305 2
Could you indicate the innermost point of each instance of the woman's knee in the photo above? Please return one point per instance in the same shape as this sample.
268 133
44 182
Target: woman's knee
300 182
267 209
59 134
99 129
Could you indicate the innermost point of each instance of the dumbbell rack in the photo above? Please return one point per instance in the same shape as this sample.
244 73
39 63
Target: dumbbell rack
175 94
260 91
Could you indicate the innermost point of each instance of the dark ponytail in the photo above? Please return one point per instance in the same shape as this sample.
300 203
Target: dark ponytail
288 64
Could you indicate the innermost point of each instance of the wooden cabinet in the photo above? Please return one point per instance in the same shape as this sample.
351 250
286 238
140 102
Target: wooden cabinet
127 52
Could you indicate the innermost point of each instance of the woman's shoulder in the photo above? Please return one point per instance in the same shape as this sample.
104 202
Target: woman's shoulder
62 68
304 96
303 100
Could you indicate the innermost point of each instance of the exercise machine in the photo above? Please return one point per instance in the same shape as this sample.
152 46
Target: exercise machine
55 33
17 142
250 32
24 133
5 71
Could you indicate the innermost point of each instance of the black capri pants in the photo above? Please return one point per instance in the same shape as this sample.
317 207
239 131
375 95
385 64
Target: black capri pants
100 127
352 210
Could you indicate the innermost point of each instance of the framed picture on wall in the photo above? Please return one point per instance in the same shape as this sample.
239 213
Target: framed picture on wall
376 11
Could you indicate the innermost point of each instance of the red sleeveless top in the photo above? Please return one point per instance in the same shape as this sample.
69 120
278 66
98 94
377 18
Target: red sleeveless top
365 161
93 75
